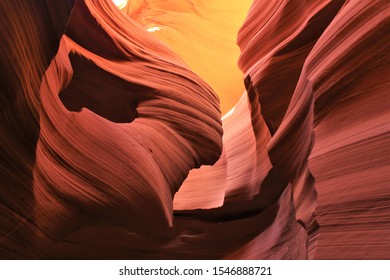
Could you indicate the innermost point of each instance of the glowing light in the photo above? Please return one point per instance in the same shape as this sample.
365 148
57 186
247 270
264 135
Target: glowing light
120 3
229 113
153 29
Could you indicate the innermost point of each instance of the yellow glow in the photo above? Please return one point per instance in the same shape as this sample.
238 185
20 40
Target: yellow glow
229 113
203 33
120 3
153 29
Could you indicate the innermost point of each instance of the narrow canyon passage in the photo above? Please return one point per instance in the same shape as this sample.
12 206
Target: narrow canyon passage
192 129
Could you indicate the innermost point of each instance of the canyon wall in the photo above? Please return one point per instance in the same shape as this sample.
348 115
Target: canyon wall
147 133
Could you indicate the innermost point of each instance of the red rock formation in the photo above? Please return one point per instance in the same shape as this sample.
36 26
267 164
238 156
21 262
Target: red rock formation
153 121
203 34
112 146
29 35
336 57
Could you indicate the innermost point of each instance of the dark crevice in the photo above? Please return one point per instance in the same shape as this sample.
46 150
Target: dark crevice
103 93
84 29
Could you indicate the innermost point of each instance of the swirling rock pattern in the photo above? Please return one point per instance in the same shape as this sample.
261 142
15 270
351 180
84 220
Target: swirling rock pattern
30 35
113 145
203 34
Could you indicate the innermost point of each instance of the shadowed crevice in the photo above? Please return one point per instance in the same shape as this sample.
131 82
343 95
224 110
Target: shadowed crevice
101 92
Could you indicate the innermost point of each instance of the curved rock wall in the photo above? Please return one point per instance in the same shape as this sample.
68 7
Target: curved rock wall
113 145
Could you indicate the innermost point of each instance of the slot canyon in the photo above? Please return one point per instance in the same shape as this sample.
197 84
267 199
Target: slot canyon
195 129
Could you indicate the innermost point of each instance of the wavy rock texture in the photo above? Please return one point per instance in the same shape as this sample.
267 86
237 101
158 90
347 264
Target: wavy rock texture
319 82
29 34
203 34
113 145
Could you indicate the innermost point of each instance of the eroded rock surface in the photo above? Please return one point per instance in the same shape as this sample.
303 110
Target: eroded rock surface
113 145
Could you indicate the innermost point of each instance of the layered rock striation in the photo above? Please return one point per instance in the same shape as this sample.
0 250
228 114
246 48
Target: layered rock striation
113 145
